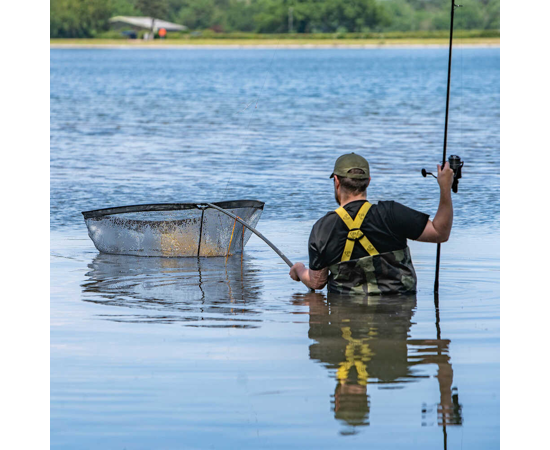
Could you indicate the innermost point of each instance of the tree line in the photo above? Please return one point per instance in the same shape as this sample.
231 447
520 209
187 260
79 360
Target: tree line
89 18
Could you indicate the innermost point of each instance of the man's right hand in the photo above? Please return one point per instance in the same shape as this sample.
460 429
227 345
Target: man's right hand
295 271
440 229
445 176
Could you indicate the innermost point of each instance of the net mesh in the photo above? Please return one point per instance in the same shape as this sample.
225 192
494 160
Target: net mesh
193 231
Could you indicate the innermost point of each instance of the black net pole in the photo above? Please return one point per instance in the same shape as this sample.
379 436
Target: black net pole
438 257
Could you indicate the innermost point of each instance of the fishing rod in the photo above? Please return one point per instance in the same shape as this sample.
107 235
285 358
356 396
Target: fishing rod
256 232
454 160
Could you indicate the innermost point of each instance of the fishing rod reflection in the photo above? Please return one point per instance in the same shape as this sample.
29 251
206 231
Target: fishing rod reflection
206 292
364 342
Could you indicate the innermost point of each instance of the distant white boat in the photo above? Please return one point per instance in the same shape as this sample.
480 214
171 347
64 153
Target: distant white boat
145 23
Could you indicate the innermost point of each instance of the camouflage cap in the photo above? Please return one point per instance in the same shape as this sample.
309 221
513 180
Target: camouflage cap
351 161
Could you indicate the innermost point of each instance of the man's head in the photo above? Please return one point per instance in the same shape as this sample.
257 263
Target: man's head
351 176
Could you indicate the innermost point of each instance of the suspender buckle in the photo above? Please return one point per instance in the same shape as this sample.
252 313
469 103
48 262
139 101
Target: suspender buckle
355 234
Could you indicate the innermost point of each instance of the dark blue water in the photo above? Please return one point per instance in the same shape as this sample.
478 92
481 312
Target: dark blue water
180 353
139 126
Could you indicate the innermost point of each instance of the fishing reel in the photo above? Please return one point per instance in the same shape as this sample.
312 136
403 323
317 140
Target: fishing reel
456 164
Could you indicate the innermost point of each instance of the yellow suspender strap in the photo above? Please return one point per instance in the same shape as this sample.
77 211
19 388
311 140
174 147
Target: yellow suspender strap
354 225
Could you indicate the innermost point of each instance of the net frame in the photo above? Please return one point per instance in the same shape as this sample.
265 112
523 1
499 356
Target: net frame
118 231
230 204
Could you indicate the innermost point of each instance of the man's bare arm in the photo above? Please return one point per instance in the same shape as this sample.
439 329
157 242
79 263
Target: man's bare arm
440 229
313 279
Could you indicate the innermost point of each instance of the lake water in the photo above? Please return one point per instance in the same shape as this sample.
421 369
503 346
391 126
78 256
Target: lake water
170 353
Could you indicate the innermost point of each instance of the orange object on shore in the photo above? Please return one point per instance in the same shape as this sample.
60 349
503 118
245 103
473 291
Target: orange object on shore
162 32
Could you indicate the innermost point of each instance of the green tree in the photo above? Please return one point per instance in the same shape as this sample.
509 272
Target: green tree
85 18
153 8
272 16
240 16
79 18
123 8
492 15
352 15
198 14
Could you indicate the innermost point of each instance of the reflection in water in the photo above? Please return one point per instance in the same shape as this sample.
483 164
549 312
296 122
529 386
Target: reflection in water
365 341
206 292
362 341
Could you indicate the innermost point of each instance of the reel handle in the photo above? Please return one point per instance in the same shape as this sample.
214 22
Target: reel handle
424 173
456 164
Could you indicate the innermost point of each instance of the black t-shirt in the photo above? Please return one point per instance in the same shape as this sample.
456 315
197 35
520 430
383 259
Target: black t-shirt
387 226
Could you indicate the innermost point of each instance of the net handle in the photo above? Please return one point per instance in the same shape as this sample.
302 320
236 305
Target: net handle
256 232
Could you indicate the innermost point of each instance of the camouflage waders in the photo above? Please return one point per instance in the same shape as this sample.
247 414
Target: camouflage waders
376 274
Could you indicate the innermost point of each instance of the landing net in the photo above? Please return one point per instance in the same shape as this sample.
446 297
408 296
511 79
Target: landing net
173 229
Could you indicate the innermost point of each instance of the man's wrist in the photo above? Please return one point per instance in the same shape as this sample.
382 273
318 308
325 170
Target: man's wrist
445 190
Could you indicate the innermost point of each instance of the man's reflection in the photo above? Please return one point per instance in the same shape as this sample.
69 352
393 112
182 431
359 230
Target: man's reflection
174 289
366 341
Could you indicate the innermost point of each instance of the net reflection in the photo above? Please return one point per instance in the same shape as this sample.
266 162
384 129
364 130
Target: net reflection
365 341
206 292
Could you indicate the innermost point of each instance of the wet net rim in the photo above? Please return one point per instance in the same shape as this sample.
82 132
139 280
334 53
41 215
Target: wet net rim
231 204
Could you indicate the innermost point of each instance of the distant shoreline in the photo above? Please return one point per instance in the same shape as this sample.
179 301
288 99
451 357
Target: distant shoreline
268 43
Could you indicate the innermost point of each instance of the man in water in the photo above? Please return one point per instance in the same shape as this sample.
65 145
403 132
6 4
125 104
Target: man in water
362 248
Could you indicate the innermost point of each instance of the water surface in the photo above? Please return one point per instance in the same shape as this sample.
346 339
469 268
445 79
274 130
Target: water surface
214 353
